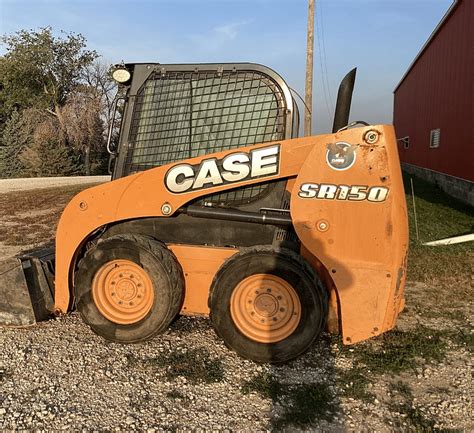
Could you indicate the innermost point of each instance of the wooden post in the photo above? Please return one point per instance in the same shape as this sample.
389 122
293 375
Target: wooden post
309 70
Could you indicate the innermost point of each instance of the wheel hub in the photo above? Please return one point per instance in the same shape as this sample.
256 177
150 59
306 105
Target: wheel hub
265 308
122 291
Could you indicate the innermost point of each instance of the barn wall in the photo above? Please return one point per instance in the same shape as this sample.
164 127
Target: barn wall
437 93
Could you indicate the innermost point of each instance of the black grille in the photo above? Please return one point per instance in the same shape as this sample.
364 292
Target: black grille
179 115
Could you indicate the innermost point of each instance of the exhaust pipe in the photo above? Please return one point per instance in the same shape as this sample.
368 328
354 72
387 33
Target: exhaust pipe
344 99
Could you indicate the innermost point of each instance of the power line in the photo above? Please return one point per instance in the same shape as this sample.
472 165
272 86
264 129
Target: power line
331 99
323 84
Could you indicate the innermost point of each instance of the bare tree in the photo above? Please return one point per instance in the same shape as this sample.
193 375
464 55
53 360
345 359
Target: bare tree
82 123
97 77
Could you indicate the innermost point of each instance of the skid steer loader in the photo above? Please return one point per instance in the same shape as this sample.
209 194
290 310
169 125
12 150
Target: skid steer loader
217 208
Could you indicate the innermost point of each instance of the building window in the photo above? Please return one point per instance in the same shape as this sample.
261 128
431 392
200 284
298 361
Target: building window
434 138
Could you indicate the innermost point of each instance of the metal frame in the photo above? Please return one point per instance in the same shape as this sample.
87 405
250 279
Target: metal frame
142 72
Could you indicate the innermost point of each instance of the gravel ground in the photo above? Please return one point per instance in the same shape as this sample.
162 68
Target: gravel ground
60 375
9 185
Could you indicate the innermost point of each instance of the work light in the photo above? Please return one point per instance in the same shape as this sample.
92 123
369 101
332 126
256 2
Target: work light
121 75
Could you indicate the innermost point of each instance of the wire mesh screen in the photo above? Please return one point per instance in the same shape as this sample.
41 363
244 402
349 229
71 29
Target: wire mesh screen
180 114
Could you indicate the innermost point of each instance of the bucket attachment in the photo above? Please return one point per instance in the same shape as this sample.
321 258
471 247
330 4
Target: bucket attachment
27 288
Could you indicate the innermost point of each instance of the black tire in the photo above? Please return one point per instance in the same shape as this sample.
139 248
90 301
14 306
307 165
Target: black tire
288 266
161 266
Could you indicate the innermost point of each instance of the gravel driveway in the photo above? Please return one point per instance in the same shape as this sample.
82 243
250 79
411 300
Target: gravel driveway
22 184
60 375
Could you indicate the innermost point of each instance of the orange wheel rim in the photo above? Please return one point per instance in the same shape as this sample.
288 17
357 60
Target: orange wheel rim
265 308
122 291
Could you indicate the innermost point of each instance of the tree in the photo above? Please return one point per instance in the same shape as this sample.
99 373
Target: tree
82 123
41 70
15 139
97 77
59 83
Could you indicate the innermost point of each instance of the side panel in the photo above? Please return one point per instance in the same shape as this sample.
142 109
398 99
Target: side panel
361 242
199 264
144 195
348 209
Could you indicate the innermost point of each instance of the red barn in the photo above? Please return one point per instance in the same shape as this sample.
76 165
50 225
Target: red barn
433 106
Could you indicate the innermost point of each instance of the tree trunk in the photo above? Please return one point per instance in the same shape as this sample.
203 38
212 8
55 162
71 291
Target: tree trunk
87 160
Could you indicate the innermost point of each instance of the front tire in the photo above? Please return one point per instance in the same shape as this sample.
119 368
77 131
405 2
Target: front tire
129 288
268 304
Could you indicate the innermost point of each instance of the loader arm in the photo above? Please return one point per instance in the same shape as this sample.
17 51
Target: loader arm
353 219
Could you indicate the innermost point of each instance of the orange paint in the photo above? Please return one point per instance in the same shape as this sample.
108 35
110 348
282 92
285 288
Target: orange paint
362 243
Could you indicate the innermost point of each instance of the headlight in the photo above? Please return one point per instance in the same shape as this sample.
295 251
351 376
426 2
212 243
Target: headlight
121 75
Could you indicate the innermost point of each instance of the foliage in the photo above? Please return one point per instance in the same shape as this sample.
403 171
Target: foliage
55 105
304 404
41 70
16 137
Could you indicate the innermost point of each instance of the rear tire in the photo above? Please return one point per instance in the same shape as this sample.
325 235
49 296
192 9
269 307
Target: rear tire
129 288
267 304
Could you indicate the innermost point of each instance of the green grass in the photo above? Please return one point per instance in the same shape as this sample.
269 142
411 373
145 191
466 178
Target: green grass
392 353
398 351
304 404
196 365
265 385
354 383
414 418
439 216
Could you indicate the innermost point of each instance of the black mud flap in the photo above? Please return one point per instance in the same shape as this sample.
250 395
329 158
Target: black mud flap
27 288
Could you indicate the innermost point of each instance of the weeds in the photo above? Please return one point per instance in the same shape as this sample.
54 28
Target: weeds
398 351
303 404
308 403
354 383
195 365
265 385
413 418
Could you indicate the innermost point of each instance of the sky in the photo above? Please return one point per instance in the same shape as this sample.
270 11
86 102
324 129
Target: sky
379 37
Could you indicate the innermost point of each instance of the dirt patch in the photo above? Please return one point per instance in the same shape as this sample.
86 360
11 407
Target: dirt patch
29 218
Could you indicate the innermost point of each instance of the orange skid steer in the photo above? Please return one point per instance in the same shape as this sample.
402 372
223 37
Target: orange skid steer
217 208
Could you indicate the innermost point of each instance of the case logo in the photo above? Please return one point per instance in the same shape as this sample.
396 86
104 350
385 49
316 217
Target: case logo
233 168
340 155
325 191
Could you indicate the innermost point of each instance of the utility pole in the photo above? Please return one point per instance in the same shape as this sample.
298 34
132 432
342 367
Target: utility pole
308 98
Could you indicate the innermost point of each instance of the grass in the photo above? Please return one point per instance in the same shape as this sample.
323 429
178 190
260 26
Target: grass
413 418
265 385
196 365
354 383
304 404
398 351
391 353
439 216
